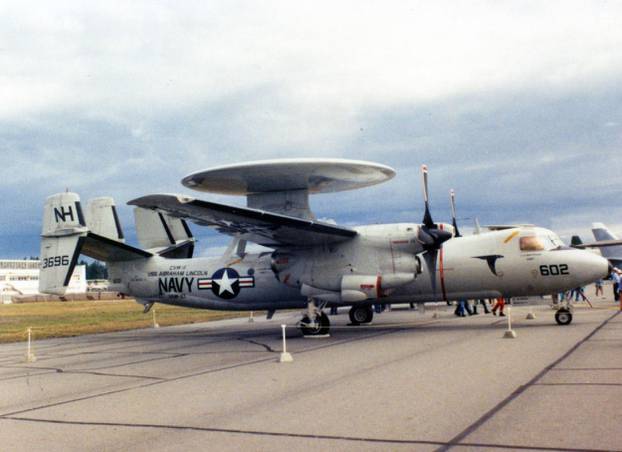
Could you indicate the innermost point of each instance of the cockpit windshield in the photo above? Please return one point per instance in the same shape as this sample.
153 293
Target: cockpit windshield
540 242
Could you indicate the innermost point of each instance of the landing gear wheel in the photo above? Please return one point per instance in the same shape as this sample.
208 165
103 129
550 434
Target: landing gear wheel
563 317
320 328
361 314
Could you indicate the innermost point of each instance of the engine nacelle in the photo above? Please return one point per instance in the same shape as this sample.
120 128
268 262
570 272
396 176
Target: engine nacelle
367 287
360 287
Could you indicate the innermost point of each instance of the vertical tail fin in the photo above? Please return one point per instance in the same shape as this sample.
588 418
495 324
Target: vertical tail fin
613 253
65 236
601 232
102 219
164 233
62 234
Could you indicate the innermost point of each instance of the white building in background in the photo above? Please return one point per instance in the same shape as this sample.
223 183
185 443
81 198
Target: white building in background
21 277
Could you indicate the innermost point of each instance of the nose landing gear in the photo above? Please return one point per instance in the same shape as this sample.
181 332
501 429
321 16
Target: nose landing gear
563 316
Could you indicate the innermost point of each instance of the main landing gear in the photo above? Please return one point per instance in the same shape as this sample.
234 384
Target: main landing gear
361 314
316 323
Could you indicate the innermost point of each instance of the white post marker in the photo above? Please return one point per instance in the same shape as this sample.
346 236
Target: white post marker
285 357
509 333
30 356
251 319
155 324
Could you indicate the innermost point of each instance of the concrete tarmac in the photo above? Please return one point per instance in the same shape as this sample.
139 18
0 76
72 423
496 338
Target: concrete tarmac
407 382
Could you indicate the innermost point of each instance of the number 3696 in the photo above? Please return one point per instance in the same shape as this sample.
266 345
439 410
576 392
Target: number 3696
55 261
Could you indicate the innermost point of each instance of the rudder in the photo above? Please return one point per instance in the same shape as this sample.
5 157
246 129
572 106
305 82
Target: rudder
102 218
63 230
164 234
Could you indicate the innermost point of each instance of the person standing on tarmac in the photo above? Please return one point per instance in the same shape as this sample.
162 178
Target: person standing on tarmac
599 287
615 277
499 304
484 305
460 308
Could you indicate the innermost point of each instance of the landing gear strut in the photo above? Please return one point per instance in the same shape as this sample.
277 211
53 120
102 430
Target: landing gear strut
361 314
315 322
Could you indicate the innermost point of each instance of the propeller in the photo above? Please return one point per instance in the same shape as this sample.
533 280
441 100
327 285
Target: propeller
452 199
430 235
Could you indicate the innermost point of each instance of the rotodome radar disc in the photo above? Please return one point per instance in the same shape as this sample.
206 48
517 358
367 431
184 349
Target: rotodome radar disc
314 175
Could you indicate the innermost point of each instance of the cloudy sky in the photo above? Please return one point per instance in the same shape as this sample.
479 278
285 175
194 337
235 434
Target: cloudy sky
515 105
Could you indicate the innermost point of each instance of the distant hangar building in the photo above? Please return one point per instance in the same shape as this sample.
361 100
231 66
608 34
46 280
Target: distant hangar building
20 278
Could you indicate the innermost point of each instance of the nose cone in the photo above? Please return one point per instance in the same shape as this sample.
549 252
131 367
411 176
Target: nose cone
591 267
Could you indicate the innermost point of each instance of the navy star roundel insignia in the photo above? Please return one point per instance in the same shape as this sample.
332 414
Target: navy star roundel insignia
226 283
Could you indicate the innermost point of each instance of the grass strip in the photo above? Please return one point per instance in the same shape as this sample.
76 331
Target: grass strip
74 318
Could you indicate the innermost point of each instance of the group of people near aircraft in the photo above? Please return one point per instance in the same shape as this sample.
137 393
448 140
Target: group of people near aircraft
464 307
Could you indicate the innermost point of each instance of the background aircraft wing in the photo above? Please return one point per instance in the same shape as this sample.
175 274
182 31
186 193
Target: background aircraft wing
258 226
599 244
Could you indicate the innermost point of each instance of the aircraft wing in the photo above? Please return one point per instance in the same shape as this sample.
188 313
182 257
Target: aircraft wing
599 244
258 226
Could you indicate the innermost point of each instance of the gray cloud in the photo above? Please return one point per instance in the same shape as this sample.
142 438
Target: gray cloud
124 100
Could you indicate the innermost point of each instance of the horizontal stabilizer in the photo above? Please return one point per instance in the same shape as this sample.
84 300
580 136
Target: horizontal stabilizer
258 226
108 250
182 250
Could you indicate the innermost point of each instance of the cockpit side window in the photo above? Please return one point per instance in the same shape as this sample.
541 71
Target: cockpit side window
557 242
531 243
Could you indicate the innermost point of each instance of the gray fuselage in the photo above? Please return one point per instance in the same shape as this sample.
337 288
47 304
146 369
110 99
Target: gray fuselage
498 263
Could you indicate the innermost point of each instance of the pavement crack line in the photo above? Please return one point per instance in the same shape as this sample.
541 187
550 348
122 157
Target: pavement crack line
360 439
196 374
250 341
457 440
59 370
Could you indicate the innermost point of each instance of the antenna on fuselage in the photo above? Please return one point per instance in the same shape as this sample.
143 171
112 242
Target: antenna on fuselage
478 228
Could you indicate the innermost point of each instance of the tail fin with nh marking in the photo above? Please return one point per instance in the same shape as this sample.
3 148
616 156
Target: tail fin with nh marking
65 235
63 228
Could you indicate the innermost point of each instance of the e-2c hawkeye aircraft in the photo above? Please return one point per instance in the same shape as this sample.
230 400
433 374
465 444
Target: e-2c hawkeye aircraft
312 264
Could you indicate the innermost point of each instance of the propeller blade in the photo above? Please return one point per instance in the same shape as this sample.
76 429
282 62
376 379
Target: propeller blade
427 217
452 199
430 235
430 259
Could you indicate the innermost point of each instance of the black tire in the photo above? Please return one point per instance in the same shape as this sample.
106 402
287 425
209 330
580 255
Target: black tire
563 317
321 328
361 314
